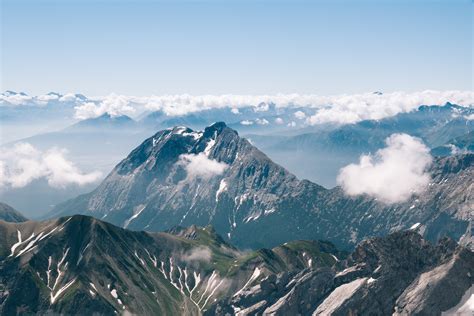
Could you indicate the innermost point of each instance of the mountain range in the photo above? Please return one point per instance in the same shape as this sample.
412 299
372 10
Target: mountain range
79 263
170 180
314 152
318 152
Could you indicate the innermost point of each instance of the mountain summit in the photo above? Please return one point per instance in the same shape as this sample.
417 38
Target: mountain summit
183 177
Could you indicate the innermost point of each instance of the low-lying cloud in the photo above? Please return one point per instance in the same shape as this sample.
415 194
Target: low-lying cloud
23 163
341 109
358 107
200 166
393 174
200 254
115 105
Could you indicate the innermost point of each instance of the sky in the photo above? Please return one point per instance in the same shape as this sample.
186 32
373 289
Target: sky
235 47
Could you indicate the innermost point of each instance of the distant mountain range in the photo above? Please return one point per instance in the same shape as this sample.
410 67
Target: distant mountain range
317 153
79 263
152 190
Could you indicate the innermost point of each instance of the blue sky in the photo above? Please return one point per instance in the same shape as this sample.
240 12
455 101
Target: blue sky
240 47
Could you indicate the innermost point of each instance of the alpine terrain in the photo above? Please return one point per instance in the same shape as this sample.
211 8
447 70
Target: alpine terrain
214 177
82 264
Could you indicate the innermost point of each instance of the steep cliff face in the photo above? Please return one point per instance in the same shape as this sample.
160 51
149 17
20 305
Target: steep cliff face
400 274
183 177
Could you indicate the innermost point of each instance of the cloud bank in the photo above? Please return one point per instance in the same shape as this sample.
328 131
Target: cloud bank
354 108
393 174
343 109
23 163
115 105
200 166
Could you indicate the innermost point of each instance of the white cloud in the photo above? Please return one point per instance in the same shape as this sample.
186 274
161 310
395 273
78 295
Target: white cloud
235 111
392 174
300 115
337 108
246 122
291 124
354 108
262 121
15 99
115 105
279 121
200 166
44 99
23 163
198 254
470 117
68 97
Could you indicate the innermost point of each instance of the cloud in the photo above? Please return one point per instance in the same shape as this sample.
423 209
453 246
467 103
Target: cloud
343 109
393 174
68 97
46 98
198 254
336 109
299 115
200 166
262 121
279 121
15 99
354 108
23 163
115 105
246 122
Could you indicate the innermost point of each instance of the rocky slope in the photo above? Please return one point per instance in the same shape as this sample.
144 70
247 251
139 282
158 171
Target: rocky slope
80 264
9 214
183 177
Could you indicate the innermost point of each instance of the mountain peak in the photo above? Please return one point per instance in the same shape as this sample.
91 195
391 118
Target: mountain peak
216 128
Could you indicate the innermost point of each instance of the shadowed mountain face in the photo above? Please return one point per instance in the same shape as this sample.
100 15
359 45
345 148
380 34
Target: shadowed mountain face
81 263
183 177
9 214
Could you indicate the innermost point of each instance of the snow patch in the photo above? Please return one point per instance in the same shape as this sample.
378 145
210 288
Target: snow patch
256 273
222 188
415 226
136 212
270 211
210 144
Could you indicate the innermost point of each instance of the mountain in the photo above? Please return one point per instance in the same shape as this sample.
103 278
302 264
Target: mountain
460 144
93 145
319 152
105 121
82 264
183 177
9 214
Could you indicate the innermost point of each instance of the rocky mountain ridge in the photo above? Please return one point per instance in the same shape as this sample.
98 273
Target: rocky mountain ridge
154 189
9 214
81 263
